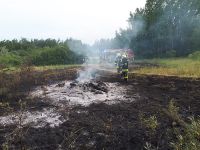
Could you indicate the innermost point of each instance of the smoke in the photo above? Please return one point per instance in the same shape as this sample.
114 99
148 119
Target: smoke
166 28
86 75
89 69
121 41
90 58
92 53
77 46
137 24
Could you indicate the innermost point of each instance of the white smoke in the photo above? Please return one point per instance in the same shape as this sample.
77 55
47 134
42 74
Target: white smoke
90 66
91 59
86 75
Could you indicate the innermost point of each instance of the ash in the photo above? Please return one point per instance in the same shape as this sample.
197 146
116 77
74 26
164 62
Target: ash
64 96
81 93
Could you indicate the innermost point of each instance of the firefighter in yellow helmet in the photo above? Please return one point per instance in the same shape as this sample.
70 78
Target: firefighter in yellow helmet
124 67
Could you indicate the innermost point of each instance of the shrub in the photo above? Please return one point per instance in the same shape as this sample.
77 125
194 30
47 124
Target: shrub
53 56
10 59
195 55
149 122
188 139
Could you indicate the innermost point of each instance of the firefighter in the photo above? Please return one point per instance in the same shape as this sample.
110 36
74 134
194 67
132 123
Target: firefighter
118 62
124 66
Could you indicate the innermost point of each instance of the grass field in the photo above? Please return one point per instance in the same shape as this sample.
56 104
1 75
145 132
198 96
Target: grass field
183 67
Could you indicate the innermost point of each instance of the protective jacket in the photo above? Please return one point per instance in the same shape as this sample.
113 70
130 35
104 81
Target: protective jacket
124 65
118 63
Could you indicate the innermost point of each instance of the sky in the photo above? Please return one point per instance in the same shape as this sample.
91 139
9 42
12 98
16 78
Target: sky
86 20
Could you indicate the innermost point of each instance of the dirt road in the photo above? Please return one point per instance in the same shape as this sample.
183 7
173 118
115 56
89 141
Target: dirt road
102 113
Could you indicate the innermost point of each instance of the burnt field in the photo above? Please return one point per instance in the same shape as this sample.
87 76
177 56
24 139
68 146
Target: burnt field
57 110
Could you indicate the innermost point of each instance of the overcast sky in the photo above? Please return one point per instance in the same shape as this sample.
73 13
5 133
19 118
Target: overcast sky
87 20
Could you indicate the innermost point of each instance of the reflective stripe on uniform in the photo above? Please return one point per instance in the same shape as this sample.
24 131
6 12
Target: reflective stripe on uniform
125 70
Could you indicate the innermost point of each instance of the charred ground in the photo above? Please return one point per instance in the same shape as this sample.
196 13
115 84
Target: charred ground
103 125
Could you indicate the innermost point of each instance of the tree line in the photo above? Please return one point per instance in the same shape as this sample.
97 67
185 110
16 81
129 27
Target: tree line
42 51
163 28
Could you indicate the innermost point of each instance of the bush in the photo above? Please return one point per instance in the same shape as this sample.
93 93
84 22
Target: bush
10 59
150 122
195 55
40 56
188 139
52 56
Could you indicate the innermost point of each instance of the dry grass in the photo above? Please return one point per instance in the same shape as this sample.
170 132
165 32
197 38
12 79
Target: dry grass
42 68
173 67
39 68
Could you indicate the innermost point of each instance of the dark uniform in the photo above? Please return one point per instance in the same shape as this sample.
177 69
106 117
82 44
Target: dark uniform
118 63
124 66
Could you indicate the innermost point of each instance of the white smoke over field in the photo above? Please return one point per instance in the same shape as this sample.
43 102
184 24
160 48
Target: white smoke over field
89 68
136 24
90 58
87 74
